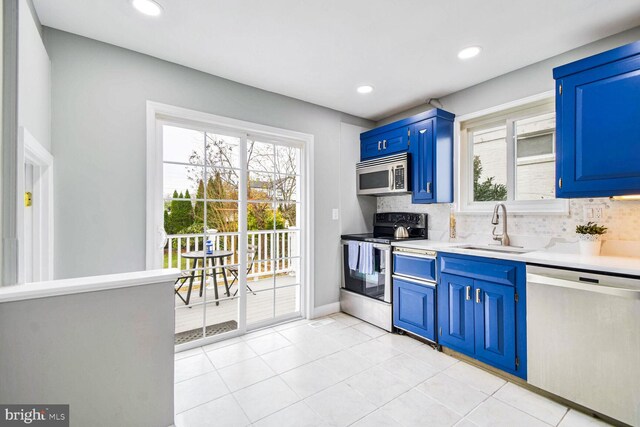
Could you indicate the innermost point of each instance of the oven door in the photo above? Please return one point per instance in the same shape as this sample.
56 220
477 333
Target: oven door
375 285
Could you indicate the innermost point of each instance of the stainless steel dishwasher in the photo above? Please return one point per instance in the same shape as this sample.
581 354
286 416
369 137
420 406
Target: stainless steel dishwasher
583 339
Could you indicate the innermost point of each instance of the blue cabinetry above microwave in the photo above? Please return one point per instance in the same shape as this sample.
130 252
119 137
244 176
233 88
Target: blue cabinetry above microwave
598 124
428 138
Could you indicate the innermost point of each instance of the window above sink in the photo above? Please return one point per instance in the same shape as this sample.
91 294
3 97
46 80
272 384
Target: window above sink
507 155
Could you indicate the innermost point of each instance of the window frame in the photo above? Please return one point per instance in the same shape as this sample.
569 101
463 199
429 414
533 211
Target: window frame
509 112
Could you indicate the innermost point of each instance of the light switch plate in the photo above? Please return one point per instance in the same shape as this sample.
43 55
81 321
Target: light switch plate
335 214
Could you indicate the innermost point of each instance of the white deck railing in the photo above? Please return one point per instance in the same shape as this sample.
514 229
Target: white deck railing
274 250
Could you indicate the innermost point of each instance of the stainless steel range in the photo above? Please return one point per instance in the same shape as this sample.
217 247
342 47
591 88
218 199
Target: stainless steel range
366 266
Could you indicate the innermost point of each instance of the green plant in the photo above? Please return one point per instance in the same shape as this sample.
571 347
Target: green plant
591 228
487 189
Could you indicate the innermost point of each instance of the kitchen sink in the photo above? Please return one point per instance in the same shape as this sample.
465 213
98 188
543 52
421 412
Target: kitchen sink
496 248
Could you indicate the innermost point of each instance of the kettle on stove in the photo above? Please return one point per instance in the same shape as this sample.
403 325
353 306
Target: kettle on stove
401 231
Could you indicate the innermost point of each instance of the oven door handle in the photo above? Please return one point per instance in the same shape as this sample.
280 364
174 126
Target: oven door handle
380 246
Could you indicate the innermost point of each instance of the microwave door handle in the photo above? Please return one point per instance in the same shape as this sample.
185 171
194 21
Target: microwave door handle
391 179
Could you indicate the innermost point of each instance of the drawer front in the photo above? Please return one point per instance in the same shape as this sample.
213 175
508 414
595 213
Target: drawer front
414 308
414 266
497 271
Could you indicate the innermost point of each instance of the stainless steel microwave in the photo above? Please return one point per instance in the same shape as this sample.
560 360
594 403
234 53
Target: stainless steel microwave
383 176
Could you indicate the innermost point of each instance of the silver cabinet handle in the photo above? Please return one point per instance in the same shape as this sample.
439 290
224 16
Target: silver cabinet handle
478 290
429 187
468 293
379 142
416 281
391 179
384 144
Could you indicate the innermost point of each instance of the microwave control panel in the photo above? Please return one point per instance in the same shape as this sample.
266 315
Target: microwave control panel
399 178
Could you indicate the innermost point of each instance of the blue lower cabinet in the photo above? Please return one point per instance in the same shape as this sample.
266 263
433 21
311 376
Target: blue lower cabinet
482 310
495 323
455 312
414 308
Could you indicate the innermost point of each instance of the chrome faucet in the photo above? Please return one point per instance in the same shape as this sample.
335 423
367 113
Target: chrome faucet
504 237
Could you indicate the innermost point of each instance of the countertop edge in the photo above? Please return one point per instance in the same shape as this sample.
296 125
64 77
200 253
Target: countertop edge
606 264
61 287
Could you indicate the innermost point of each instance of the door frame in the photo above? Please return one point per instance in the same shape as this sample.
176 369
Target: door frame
30 151
159 112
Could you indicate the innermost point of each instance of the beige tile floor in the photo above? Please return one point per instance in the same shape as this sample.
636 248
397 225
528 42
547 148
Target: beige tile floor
339 371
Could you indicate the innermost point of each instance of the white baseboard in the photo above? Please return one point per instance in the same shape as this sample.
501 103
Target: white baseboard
325 310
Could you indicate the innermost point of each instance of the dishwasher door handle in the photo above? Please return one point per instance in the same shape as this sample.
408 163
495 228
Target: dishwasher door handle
537 279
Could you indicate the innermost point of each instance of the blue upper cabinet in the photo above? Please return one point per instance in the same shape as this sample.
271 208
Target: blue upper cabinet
423 163
428 137
598 124
390 141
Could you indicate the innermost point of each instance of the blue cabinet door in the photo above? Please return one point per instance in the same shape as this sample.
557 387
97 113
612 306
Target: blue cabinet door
383 144
370 148
455 313
414 308
495 333
422 153
598 125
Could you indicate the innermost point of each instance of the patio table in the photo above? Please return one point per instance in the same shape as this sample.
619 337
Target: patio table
218 257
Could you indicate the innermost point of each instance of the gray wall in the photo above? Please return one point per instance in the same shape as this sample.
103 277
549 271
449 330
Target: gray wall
356 212
518 84
34 80
109 354
99 93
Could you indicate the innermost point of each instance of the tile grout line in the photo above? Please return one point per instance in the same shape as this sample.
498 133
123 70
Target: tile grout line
531 415
563 416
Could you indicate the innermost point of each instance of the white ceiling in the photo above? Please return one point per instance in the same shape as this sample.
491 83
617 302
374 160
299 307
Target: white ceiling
320 51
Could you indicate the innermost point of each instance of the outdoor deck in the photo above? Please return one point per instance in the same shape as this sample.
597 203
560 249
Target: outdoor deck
259 306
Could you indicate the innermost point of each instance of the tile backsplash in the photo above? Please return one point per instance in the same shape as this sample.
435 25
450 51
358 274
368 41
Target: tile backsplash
622 218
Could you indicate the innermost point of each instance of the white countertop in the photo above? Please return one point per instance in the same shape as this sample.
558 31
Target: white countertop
86 284
604 263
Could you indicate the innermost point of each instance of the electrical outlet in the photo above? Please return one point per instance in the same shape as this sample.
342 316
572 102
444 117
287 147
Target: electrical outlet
598 211
593 212
335 214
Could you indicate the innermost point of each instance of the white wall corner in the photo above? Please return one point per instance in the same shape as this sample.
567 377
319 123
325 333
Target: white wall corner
325 310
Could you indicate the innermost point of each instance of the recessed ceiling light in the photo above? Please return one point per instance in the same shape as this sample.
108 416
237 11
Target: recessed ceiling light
148 7
365 89
469 52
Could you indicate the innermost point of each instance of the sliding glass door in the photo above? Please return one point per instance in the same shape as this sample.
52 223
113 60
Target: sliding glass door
273 210
232 216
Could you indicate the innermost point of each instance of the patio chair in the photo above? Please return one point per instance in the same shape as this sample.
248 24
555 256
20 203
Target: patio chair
184 276
252 251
